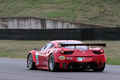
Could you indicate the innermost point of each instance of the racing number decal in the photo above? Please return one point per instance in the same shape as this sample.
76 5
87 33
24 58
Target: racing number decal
37 61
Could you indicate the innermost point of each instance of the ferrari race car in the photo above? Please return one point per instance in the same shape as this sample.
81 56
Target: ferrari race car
67 54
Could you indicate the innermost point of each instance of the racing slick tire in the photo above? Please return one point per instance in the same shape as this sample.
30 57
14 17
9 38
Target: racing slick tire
99 69
52 65
31 64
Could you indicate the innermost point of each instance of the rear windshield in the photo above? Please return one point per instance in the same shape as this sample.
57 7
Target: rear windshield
76 47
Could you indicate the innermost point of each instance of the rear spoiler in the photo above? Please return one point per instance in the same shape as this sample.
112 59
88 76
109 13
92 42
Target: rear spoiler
89 44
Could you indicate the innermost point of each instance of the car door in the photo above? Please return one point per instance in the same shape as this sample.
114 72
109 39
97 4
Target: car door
39 58
43 54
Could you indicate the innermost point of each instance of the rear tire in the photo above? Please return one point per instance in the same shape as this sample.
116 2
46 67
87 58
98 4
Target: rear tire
52 65
31 64
99 69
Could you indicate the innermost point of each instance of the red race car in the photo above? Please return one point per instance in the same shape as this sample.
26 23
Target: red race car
67 54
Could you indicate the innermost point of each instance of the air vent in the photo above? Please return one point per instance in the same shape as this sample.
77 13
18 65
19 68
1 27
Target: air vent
96 52
68 52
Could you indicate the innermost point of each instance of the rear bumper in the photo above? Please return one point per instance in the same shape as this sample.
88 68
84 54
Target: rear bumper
82 62
81 65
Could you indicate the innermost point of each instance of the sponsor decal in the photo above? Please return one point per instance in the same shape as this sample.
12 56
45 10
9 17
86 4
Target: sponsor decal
37 61
45 63
56 51
41 54
47 58
52 50
61 57
70 58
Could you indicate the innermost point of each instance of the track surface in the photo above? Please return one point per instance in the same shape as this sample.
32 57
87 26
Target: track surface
15 69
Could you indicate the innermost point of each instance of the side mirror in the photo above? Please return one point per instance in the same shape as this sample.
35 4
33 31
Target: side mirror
35 49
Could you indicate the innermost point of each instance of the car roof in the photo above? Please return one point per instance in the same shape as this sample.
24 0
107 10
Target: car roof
55 42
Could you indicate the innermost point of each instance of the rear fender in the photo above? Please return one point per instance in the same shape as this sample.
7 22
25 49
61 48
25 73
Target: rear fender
105 58
55 52
98 49
55 56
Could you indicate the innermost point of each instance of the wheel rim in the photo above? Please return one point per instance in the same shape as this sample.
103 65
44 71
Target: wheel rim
51 63
30 61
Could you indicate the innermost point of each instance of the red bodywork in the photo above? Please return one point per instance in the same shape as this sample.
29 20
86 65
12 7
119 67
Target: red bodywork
69 57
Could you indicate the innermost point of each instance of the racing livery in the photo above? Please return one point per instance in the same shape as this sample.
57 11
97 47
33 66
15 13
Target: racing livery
67 54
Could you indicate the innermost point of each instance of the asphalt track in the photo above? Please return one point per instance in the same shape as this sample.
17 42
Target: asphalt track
15 69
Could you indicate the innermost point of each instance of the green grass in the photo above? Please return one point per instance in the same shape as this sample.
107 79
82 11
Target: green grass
113 61
20 49
105 12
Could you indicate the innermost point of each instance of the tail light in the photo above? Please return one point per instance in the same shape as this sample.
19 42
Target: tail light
62 51
102 51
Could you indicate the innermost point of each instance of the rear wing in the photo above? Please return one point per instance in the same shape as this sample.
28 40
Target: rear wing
86 44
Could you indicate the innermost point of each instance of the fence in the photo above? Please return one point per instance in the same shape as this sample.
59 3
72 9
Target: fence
61 34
